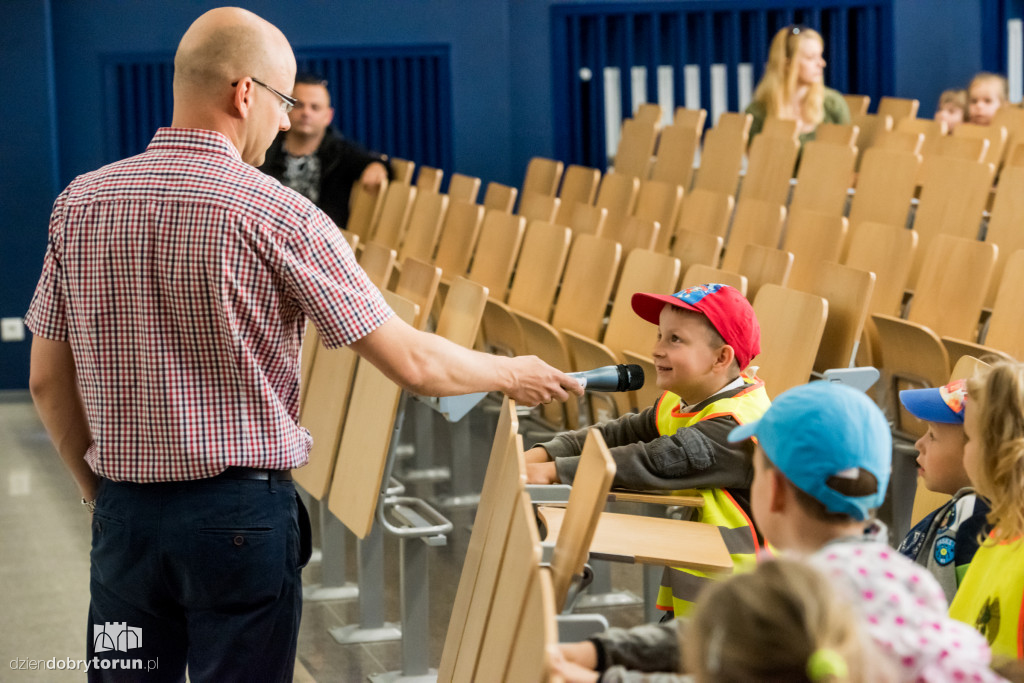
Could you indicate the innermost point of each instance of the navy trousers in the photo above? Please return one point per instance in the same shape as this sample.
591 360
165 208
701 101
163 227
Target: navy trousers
203 574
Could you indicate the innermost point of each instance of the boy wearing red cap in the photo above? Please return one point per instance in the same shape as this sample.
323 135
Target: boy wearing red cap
707 336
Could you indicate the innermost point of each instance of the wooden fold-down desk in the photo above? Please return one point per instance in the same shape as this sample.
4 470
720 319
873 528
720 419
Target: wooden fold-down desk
650 540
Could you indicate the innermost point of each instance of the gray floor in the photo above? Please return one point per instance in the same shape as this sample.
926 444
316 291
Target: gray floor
44 567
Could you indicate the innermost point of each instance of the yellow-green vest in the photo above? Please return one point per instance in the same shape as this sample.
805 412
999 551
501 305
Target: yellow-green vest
679 586
991 597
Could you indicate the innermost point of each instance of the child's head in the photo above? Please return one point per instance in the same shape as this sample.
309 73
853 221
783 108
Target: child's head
952 108
824 454
706 335
781 622
941 448
994 453
986 93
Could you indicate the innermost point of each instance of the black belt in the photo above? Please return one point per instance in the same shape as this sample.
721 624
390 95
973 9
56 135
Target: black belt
255 473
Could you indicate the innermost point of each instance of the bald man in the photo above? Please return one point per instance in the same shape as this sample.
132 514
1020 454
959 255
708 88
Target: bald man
316 160
168 318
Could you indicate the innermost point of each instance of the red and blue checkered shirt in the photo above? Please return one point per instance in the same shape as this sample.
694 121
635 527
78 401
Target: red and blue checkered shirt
182 279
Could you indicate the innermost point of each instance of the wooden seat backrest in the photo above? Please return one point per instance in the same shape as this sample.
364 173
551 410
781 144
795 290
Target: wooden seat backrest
500 197
692 248
1004 223
394 214
463 187
824 178
763 265
677 150
755 222
888 252
586 285
378 261
428 179
542 261
770 168
954 193
885 187
693 119
995 134
636 147
503 482
659 201
792 323
365 207
618 193
722 155
900 141
813 238
848 292
587 499
418 283
425 219
497 250
363 450
941 302
539 207
898 107
837 134
705 211
1006 324
775 127
542 176
857 104
402 169
463 308
458 238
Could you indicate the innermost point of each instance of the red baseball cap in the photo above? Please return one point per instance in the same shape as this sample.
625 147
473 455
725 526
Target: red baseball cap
728 311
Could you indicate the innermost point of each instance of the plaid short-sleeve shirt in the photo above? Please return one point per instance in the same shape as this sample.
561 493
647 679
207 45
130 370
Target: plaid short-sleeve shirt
182 278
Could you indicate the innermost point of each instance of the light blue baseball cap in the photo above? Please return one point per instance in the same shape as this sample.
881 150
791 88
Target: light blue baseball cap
821 430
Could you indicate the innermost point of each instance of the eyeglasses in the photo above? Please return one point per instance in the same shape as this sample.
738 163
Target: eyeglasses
287 103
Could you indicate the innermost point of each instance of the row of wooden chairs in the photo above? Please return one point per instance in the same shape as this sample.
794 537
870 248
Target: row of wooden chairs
504 610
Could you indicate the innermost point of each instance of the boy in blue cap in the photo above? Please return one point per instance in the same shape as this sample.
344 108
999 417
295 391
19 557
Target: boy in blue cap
946 539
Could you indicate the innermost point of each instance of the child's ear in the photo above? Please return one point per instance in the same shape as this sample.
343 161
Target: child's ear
778 491
725 357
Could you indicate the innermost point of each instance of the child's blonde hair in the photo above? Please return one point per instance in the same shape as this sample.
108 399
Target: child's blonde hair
781 73
997 394
781 622
955 96
988 76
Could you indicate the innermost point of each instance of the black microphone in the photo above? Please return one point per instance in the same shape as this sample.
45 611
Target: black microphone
611 378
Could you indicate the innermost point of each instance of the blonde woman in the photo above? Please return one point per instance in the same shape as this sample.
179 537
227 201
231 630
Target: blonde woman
793 85
991 594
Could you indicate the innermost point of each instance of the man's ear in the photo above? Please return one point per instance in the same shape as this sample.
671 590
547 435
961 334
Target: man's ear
243 97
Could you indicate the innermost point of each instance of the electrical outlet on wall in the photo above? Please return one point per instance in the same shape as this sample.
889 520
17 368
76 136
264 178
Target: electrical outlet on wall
12 329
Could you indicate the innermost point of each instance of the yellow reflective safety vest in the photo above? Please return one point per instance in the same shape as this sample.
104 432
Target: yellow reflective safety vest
679 586
991 597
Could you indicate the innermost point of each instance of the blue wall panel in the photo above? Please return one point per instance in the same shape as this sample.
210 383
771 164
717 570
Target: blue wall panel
503 96
28 172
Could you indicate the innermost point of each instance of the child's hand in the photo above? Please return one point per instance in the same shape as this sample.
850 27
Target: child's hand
541 473
569 671
536 454
583 653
